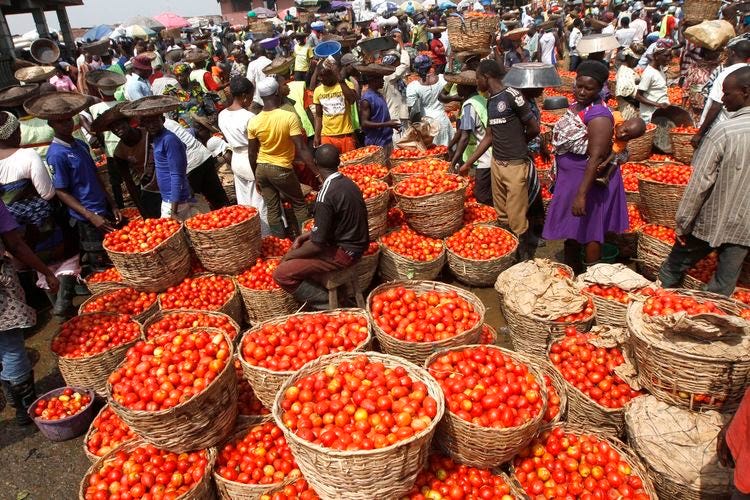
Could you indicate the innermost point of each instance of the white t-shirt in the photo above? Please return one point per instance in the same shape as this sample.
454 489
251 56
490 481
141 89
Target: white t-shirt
625 36
654 87
197 153
161 83
233 124
547 47
255 74
27 164
575 37
608 29
640 27
717 93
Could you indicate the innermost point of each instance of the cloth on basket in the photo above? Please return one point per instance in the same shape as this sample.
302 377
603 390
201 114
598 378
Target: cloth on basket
618 275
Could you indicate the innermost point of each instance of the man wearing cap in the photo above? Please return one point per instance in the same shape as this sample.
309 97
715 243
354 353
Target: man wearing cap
334 99
275 137
137 85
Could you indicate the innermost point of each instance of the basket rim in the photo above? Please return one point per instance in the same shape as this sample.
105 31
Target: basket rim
199 277
378 150
651 181
91 432
111 348
462 187
149 251
371 355
483 261
231 226
154 318
384 246
55 392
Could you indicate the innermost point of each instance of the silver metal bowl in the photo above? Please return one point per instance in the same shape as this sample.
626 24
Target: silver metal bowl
532 76
590 44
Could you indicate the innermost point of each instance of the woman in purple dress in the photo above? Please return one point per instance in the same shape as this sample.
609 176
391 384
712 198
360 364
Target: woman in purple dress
582 211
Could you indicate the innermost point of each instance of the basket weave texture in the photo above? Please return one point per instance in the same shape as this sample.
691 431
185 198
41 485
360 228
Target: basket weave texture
682 150
482 273
375 157
394 266
160 315
471 34
228 250
377 214
366 268
659 201
651 254
434 215
640 148
89 433
263 305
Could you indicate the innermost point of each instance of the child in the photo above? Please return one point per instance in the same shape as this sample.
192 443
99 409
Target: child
625 130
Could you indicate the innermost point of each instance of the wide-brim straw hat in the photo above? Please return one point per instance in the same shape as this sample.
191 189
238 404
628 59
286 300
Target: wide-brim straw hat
36 74
279 66
97 48
106 81
195 55
150 106
104 121
15 95
57 105
375 69
466 77
516 34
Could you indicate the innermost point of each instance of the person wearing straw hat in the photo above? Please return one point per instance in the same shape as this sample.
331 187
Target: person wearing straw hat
200 75
137 85
377 124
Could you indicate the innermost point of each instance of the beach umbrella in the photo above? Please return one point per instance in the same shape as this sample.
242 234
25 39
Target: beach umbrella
137 31
97 33
171 20
146 22
262 12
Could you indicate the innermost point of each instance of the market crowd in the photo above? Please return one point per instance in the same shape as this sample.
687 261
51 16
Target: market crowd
258 115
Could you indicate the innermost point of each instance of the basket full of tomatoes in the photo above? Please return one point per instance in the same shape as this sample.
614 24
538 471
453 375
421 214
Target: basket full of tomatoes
178 390
149 254
367 266
227 240
264 299
640 148
376 195
661 190
495 401
379 450
208 292
91 345
654 244
63 413
106 433
478 253
414 167
406 254
363 156
103 281
453 317
179 319
432 203
399 155
139 305
680 137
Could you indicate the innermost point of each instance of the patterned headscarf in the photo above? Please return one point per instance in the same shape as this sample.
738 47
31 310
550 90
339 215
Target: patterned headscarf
180 68
10 126
422 64
663 45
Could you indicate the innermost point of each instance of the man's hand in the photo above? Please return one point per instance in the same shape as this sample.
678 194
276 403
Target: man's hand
395 124
299 240
316 142
101 223
696 140
579 206
52 282
117 215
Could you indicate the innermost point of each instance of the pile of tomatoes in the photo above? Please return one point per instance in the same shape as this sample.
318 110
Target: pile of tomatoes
141 235
208 293
591 369
635 218
675 95
121 300
369 170
273 246
298 490
665 302
260 276
478 212
470 183
111 275
359 153
223 217
248 403
370 187
561 464
358 404
479 242
543 162
743 295
487 336
372 249
705 268
424 166
412 245
107 432
147 470
289 345
553 400
661 233
549 117
261 456
91 334
685 130
428 184
442 478
669 174
401 154
425 317
64 405
169 369
178 320
582 315
130 213
614 293
487 387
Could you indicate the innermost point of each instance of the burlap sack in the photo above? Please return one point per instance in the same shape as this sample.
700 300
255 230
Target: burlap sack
418 136
710 35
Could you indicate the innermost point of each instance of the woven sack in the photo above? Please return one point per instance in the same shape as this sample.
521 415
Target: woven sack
383 473
418 352
482 273
228 250
434 215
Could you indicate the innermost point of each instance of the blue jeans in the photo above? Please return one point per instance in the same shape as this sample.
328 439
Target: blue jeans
683 257
16 364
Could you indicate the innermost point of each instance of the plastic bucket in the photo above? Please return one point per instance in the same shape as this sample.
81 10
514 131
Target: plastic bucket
329 48
68 427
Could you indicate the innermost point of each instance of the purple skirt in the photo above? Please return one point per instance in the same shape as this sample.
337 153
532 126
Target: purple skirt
606 207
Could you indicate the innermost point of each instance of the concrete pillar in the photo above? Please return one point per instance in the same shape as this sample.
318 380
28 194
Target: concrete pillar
41 23
67 34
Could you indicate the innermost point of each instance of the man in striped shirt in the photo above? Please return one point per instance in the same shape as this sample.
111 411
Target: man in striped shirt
713 213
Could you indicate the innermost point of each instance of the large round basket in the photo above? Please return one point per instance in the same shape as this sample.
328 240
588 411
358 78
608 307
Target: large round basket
682 150
640 149
697 11
651 254
201 491
227 250
625 452
418 352
363 474
203 421
470 34
394 266
97 287
659 201
157 269
89 433
91 372
160 315
140 318
263 305
266 382
378 157
688 379
557 382
232 307
692 283
366 269
377 214
487 447
480 272
434 215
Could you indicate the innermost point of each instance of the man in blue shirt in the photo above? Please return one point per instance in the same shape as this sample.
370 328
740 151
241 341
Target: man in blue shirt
375 118
137 85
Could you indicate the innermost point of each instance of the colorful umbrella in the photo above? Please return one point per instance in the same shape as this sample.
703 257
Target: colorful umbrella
97 33
146 22
171 20
136 31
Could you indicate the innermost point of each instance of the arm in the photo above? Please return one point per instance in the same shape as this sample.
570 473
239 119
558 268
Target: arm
127 176
482 147
600 144
364 118
20 250
306 248
642 99
300 146
445 97
96 220
177 155
40 177
318 124
349 93
253 146
711 115
463 141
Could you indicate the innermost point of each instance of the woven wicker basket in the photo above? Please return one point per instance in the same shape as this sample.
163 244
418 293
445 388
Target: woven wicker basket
160 315
417 352
366 474
493 334
696 11
377 157
633 197
692 283
682 150
651 254
89 433
394 266
103 286
200 422
399 161
202 491
685 379
366 268
640 148
140 318
568 82
659 201
263 305
157 269
487 447
377 214
609 312
91 372
266 382
434 215
470 34
558 382
232 307
481 273
228 250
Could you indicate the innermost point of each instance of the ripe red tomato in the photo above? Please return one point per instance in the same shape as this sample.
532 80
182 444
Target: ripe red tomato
298 490
669 174
260 276
368 170
395 218
359 153
443 478
107 432
273 246
423 166
427 184
179 320
140 235
248 403
221 218
208 293
91 334
111 275
477 212
121 300
665 303
481 242
400 154
66 404
412 245
665 234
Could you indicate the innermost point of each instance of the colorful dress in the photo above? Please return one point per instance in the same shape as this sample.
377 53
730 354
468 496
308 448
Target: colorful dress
606 208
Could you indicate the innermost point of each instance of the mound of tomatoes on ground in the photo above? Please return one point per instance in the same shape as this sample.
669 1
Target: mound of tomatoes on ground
107 431
140 235
358 404
66 404
412 245
121 300
221 218
479 242
208 293
260 276
177 320
422 317
91 334
442 478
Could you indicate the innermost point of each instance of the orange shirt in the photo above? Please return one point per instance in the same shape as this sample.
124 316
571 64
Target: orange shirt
618 146
738 440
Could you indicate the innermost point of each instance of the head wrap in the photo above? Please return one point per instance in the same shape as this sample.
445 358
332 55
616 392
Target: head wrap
663 45
180 68
268 86
390 59
10 126
422 64
593 69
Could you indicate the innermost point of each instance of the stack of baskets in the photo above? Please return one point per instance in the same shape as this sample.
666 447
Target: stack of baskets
471 33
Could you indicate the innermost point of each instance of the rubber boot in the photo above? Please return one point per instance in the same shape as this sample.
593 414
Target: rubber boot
314 295
6 395
63 306
22 396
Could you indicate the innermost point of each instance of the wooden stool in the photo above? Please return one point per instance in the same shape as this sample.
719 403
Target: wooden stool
346 277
